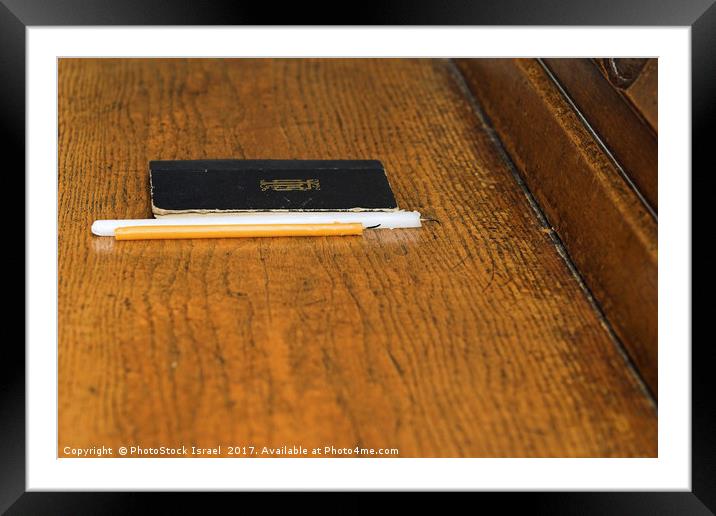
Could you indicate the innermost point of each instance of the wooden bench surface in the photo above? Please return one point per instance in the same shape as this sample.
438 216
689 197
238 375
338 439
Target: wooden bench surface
469 337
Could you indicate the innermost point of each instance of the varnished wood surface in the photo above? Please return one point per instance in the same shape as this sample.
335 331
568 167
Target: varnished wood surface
608 232
643 93
467 337
638 80
630 139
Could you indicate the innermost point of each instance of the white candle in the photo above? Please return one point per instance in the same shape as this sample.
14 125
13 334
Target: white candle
369 219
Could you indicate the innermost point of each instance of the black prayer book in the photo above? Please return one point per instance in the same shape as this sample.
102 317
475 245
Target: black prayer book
225 186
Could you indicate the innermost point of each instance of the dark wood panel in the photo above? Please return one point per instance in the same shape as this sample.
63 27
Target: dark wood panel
632 141
607 230
468 337
643 93
638 80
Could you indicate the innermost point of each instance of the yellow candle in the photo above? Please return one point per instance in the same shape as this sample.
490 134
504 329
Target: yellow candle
235 231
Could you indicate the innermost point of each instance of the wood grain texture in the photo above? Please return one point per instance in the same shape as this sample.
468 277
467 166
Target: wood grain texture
628 137
638 81
467 337
608 232
643 93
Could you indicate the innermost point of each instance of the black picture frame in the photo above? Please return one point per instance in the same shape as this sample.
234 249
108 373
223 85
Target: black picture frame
700 15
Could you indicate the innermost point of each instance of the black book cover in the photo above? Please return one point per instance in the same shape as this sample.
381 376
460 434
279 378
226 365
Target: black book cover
215 186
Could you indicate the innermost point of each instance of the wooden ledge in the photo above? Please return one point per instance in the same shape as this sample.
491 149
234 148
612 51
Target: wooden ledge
610 235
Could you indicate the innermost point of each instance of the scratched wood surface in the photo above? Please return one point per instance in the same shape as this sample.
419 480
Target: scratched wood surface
469 337
610 235
631 140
